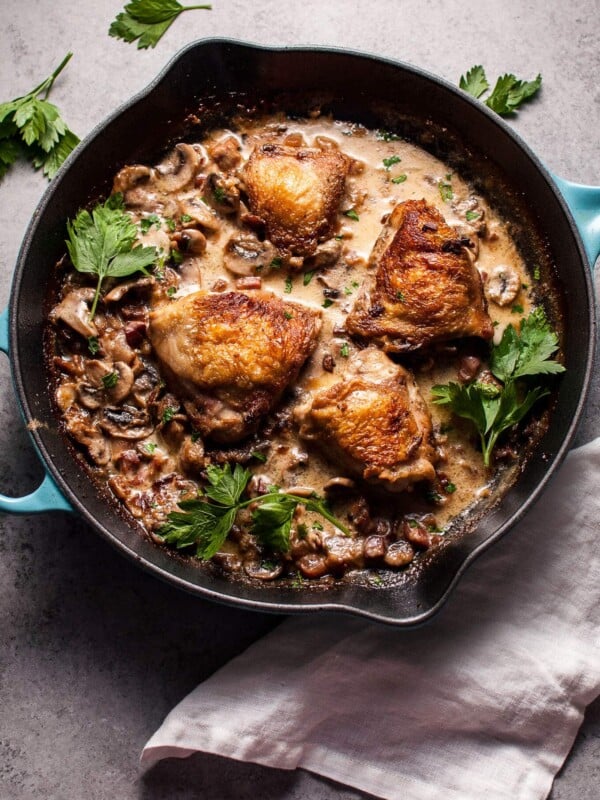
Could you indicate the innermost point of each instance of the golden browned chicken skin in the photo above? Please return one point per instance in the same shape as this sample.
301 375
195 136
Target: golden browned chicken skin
230 356
296 192
374 423
425 289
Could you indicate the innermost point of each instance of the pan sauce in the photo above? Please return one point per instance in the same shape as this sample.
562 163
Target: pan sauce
140 471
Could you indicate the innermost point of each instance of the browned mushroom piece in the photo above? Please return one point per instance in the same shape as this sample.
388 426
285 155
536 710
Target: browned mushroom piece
246 255
126 422
74 311
226 153
200 214
178 169
222 193
192 242
263 570
399 554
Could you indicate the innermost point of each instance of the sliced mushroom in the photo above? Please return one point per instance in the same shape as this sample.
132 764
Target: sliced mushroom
339 483
263 571
200 213
178 169
74 311
124 383
81 427
119 292
503 285
126 422
246 255
135 184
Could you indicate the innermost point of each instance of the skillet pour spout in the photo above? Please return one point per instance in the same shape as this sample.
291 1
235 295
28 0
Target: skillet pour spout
367 90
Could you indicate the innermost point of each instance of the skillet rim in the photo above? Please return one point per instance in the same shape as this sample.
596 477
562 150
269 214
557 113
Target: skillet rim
48 461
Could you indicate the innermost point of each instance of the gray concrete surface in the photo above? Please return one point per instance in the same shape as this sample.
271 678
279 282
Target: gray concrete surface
93 653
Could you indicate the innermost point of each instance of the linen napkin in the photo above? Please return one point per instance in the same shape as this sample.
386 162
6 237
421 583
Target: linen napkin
484 701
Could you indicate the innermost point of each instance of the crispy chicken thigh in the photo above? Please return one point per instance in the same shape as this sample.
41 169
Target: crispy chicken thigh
296 191
230 356
425 289
374 423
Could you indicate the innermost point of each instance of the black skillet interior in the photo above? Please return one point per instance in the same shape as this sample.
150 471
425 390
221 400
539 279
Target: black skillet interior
359 86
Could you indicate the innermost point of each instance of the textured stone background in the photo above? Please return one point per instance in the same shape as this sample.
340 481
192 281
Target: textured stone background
93 653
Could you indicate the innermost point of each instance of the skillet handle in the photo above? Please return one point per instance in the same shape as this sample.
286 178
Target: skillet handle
584 203
47 497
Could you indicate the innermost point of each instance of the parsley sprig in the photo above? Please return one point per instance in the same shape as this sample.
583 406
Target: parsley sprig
32 126
519 356
507 95
206 521
148 20
102 243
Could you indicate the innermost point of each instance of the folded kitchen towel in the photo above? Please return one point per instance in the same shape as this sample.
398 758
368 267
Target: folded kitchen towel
483 702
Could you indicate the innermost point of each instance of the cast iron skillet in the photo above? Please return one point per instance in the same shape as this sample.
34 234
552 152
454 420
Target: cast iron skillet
360 85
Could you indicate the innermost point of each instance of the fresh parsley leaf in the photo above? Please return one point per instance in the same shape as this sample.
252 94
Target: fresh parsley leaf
272 521
344 350
259 456
227 486
93 345
400 178
327 302
102 244
147 21
206 521
494 409
472 215
510 92
32 126
351 213
389 162
474 82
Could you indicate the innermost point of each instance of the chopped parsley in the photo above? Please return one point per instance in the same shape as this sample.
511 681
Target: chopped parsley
536 273
327 302
400 296
517 309
93 345
345 350
276 263
388 163
450 488
288 285
150 447
171 224
387 136
400 178
169 413
308 276
185 218
110 381
445 188
288 315
176 256
472 216
259 456
351 213
153 220
171 291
